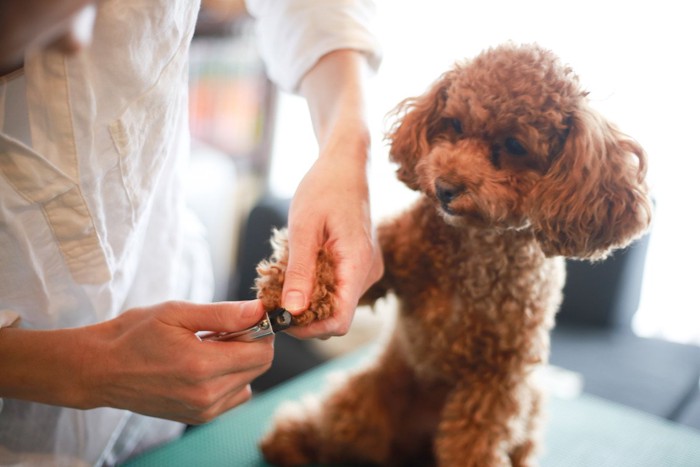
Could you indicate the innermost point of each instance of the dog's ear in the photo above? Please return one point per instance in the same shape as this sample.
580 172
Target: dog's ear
417 119
594 197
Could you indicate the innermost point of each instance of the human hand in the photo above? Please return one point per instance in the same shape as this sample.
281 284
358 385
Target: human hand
149 360
331 204
331 207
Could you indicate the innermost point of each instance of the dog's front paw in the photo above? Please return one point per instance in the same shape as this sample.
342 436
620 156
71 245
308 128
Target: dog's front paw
270 278
270 281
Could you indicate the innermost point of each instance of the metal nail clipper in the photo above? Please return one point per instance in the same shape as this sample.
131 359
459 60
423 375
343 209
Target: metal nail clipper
274 321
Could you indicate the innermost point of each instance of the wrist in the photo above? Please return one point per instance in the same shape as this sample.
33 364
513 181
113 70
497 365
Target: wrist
48 367
91 363
348 139
335 93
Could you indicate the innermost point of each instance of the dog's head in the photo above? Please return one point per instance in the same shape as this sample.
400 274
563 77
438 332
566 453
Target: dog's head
509 140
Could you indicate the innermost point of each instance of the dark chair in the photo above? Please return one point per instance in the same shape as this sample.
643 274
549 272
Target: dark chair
594 337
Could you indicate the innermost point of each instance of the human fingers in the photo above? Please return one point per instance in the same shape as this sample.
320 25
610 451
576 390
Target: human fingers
209 401
323 329
358 265
203 360
376 271
157 366
355 272
221 395
223 405
222 358
304 245
218 317
219 380
358 272
233 390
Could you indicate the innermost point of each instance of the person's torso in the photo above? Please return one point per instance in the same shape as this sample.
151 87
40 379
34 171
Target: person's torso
95 143
89 144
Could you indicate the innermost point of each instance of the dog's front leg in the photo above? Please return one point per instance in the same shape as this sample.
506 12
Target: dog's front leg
350 425
270 281
477 426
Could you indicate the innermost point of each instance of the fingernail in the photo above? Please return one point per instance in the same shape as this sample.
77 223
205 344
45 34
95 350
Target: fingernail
294 301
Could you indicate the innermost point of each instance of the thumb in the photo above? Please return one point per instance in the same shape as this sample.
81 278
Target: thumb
219 317
299 276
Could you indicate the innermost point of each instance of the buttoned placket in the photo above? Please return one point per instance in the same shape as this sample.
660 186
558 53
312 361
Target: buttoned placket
57 192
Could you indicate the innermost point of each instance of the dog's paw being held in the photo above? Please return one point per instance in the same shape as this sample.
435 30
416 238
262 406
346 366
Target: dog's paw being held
270 281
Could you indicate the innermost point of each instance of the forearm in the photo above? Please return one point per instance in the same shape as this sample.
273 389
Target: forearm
46 366
331 204
147 360
335 93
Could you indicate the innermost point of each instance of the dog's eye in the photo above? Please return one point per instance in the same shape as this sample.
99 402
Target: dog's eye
496 156
514 147
455 125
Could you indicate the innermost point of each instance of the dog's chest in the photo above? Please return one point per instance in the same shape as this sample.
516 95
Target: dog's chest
478 271
492 265
475 279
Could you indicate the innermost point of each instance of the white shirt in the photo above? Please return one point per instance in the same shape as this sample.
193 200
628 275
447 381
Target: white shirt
92 215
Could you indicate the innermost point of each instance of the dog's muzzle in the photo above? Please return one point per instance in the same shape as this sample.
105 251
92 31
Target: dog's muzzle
447 192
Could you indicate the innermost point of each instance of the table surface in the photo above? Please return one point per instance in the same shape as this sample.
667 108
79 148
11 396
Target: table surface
584 431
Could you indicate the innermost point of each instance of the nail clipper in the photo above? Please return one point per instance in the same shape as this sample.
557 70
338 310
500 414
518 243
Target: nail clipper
274 321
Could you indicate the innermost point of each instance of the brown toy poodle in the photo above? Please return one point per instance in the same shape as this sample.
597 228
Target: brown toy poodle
516 172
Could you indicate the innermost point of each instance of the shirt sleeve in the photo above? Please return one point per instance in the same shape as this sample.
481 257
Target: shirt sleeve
292 35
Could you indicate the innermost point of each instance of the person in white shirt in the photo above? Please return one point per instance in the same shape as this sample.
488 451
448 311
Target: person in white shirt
104 278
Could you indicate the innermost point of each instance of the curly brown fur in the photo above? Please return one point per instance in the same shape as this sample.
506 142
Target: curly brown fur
516 172
270 281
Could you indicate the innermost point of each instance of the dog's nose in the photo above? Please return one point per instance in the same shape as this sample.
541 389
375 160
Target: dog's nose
446 192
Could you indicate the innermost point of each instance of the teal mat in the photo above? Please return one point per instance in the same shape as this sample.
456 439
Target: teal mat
585 431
